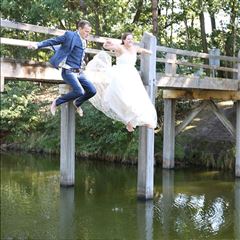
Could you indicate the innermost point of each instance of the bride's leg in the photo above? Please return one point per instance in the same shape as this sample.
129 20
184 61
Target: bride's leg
149 126
130 127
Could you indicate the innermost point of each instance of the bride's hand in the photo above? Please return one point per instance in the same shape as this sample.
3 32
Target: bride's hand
147 52
144 51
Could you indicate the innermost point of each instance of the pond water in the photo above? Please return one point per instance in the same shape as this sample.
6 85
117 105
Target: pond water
187 204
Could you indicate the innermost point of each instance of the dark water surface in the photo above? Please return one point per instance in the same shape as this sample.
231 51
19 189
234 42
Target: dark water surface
188 204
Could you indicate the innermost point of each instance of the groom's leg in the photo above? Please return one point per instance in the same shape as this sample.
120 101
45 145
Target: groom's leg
89 90
77 89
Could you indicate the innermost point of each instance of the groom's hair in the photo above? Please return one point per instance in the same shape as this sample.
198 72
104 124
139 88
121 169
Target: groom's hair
82 23
124 36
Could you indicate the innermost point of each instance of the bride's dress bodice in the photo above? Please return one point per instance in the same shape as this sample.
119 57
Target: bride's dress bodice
127 58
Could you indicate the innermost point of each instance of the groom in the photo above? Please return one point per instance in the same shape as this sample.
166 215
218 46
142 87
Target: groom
69 56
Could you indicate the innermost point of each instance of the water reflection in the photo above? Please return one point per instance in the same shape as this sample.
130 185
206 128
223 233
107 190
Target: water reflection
145 220
66 209
102 204
177 210
167 201
237 209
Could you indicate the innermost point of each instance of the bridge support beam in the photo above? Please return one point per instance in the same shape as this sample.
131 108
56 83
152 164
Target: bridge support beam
169 133
169 119
67 153
146 137
1 83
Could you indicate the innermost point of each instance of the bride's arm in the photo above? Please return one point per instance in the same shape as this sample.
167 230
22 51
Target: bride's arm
143 50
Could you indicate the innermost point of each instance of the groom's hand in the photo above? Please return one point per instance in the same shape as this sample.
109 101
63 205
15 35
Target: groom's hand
32 46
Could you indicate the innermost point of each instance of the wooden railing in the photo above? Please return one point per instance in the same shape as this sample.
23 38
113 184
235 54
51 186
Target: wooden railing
56 32
169 79
45 30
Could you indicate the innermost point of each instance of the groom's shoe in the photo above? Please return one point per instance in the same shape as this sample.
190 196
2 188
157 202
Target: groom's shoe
78 109
53 107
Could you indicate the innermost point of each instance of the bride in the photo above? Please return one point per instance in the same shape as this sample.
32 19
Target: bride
121 94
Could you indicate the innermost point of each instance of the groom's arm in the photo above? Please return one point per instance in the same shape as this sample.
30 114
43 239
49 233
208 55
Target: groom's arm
49 42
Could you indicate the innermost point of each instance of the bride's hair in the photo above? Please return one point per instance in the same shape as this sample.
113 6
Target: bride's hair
124 36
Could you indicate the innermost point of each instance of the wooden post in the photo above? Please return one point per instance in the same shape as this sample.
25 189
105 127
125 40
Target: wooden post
1 83
146 135
67 153
237 164
214 61
169 120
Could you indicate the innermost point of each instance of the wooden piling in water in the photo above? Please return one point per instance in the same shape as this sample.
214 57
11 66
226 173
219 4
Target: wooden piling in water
169 119
146 136
67 153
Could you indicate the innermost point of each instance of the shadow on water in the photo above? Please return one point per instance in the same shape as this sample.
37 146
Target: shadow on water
187 204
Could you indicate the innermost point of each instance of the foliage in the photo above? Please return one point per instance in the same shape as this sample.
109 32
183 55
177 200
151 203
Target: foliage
215 156
19 114
99 135
24 118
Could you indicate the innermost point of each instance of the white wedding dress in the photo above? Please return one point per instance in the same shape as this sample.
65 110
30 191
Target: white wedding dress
120 92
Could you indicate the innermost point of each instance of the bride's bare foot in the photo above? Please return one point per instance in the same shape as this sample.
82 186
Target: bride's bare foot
130 127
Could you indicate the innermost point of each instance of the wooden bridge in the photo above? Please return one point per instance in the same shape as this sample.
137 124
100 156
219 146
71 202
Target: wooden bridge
196 86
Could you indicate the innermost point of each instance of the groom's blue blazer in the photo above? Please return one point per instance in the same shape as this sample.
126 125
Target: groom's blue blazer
67 43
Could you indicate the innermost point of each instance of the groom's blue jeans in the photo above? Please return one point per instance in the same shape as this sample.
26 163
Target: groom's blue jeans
82 89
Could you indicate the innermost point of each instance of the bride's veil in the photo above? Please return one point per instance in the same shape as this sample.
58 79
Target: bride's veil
100 62
98 72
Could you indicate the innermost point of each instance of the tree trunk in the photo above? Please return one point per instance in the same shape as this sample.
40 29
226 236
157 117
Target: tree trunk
230 44
138 12
213 21
187 32
155 17
211 11
202 26
83 6
172 9
233 26
160 26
